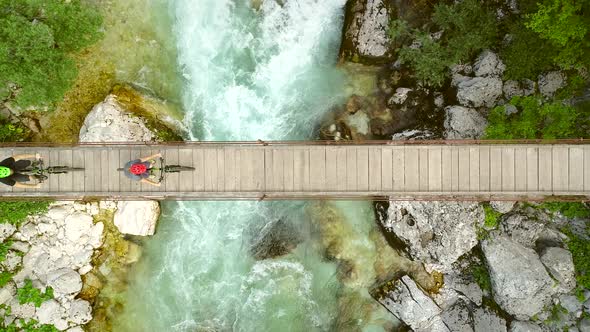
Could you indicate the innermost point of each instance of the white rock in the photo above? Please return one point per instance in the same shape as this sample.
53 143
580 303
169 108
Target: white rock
550 82
76 329
462 122
85 269
108 122
78 224
21 246
137 217
520 326
560 264
6 230
12 262
368 29
80 312
7 293
49 229
520 282
479 91
26 232
59 212
95 236
25 311
502 206
65 281
107 205
486 320
488 64
400 95
49 312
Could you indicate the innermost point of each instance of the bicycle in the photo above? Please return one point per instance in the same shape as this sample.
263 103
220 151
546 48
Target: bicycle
41 173
165 169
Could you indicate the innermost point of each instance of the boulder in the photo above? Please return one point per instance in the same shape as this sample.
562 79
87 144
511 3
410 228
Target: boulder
25 311
479 91
520 326
486 320
488 64
560 264
528 230
462 122
584 325
80 312
411 305
366 30
137 217
7 293
437 233
458 317
516 88
52 313
550 82
502 206
78 225
108 122
64 281
520 282
6 230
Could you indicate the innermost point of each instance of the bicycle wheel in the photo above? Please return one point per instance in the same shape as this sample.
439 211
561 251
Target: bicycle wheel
177 168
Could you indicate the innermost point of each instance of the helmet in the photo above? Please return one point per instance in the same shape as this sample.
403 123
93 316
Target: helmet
138 169
5 172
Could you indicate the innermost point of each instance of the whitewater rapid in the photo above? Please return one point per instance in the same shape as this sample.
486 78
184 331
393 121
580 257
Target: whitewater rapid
251 72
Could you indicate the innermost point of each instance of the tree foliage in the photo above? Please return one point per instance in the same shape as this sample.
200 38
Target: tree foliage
36 40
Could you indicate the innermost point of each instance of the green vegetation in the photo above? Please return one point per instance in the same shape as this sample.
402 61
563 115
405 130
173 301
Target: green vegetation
482 276
29 294
5 277
468 27
4 247
16 212
579 246
492 218
536 119
29 326
11 133
568 209
37 38
527 55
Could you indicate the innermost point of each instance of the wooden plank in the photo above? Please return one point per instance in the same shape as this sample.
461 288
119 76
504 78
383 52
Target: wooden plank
587 168
435 168
341 182
278 161
454 168
474 168
220 169
484 168
423 167
520 168
65 180
232 169
54 161
29 152
331 168
446 168
351 170
576 169
210 169
44 153
258 169
362 168
105 172
508 169
288 169
124 157
464 173
199 165
386 169
114 164
268 169
399 167
560 168
374 172
185 158
313 168
532 168
545 169
412 168
495 169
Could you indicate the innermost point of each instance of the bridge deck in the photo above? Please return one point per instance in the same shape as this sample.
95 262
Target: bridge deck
235 171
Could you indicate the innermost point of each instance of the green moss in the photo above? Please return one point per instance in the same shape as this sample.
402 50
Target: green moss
29 326
5 277
4 247
580 247
482 276
16 212
492 218
568 209
29 294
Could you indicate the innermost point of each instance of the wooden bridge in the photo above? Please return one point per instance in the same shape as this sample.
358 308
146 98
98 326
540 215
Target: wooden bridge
435 170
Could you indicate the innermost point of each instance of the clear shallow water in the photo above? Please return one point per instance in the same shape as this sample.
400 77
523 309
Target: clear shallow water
250 73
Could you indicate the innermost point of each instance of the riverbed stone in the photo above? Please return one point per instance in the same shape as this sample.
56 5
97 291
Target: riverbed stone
78 225
520 282
479 91
436 233
488 64
462 122
560 264
137 217
65 281
274 239
80 312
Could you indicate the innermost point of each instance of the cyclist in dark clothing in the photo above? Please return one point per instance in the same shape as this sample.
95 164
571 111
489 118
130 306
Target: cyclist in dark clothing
139 169
9 171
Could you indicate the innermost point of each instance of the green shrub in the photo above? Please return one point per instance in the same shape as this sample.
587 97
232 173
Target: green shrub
492 218
535 119
36 38
468 28
16 212
29 294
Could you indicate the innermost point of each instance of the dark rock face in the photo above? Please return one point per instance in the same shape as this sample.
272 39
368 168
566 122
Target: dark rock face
274 239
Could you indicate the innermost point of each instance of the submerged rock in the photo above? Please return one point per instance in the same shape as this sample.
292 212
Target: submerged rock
275 239
462 122
520 282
